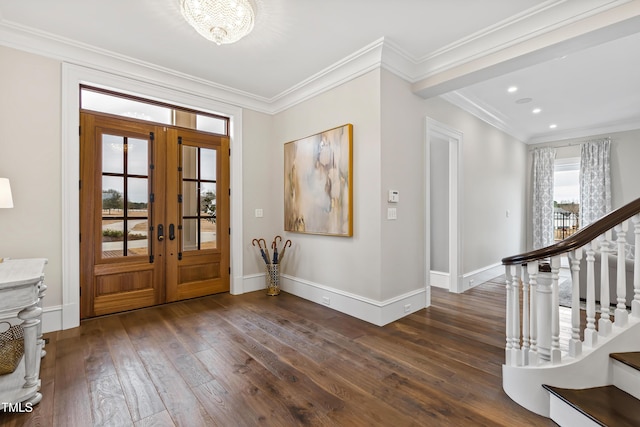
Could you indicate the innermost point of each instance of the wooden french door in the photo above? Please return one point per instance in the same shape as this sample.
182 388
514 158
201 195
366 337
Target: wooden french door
154 203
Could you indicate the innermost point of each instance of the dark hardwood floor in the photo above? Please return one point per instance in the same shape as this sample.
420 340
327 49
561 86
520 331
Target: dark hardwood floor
281 361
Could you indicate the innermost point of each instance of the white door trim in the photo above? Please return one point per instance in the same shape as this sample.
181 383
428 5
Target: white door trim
72 77
434 128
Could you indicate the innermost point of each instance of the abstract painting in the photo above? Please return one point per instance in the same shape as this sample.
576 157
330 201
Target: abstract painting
318 193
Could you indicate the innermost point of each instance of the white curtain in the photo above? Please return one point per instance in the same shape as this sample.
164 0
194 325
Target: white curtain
595 181
543 163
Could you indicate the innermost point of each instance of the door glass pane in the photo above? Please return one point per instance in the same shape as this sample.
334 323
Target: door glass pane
189 198
208 199
137 156
137 197
190 234
137 241
112 238
207 233
112 196
112 153
189 162
207 164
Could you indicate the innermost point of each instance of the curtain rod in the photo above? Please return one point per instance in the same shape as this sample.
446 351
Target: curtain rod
571 144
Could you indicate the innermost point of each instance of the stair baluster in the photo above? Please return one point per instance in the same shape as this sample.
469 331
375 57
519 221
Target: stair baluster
621 314
604 323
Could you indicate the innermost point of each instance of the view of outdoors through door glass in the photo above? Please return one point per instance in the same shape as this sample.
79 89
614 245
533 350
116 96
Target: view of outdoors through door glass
198 198
566 197
125 182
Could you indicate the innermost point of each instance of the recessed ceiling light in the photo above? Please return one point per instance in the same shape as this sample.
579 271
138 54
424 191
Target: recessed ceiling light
523 100
536 110
553 126
512 89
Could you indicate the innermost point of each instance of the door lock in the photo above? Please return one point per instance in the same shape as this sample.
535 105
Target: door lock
160 233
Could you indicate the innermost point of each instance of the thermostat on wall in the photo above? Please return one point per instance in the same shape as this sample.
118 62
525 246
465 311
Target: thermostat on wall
394 196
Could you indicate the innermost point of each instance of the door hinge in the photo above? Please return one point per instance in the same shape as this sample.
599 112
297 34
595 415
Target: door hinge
80 291
229 192
79 130
179 140
152 197
151 136
229 270
151 259
229 151
80 237
80 185
179 256
229 230
179 198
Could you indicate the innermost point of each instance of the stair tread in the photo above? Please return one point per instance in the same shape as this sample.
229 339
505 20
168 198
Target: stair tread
630 358
607 405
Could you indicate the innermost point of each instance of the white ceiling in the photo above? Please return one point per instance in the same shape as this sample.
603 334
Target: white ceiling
296 40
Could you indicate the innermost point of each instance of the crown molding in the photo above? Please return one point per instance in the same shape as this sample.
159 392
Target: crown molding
456 65
480 110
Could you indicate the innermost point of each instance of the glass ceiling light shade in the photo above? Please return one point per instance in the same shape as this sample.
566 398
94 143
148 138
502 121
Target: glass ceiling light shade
221 21
6 201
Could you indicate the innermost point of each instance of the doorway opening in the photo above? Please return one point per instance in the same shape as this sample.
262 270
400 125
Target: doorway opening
443 177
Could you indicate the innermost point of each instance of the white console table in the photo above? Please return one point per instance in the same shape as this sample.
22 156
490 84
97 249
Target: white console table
21 290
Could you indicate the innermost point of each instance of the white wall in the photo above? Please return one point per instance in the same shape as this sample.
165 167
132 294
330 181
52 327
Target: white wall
493 168
261 188
348 264
30 157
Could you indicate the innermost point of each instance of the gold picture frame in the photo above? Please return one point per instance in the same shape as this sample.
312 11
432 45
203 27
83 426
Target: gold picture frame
318 183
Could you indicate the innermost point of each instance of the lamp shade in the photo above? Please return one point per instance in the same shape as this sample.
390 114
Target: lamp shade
6 201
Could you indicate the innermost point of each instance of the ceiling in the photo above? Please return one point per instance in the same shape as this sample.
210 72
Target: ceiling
295 41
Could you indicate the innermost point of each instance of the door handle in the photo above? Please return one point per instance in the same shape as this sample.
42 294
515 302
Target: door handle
172 232
160 233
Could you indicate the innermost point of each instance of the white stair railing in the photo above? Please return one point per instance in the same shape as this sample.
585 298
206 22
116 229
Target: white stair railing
532 305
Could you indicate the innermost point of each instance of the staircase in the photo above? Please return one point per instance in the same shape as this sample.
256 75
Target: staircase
611 405
589 375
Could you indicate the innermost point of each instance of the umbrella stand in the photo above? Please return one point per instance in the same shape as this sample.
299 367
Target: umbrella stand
273 279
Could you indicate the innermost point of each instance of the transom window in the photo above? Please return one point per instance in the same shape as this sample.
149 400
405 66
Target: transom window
104 101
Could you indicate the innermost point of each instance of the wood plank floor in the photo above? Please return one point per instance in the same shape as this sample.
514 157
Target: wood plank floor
281 361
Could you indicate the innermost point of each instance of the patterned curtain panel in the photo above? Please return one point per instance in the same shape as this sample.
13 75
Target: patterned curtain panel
595 181
543 162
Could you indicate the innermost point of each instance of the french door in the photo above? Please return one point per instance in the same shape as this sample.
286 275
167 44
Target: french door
154 214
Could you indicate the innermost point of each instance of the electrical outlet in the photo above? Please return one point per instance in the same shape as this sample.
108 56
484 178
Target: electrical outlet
326 301
407 308
392 213
259 213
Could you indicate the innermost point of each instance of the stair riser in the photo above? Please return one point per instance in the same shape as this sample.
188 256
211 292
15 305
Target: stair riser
626 378
566 415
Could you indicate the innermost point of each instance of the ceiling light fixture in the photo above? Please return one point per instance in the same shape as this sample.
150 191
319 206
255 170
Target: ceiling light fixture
536 110
221 21
512 89
553 126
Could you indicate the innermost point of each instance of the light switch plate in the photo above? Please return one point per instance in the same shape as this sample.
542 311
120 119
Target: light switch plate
394 196
392 213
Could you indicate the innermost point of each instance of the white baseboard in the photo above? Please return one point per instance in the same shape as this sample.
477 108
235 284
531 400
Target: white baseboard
477 277
379 313
440 279
254 282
